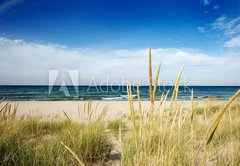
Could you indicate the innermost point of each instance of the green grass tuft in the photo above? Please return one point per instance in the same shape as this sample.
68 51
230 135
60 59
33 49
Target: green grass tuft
116 125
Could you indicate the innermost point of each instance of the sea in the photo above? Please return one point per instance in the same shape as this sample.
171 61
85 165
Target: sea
118 93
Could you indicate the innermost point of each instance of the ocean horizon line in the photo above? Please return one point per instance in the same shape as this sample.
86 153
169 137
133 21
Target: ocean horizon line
124 85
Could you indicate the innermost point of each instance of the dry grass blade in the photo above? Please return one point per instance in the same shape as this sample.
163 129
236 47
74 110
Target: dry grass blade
129 92
152 92
139 100
3 107
133 118
90 110
22 117
5 111
175 90
185 117
162 100
192 107
14 111
215 124
103 113
175 119
212 129
156 82
74 154
1 100
84 109
120 133
9 111
67 116
150 75
177 83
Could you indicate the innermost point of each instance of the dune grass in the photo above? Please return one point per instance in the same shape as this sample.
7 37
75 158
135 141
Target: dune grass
115 125
33 141
181 134
207 135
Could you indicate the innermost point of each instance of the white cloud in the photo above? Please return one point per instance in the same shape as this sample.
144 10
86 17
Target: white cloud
230 27
219 23
8 4
225 30
28 63
234 42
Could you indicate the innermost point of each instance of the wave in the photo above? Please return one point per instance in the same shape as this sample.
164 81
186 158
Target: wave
126 96
121 97
112 98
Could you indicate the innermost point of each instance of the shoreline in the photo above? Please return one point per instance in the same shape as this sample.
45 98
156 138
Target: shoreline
117 100
50 109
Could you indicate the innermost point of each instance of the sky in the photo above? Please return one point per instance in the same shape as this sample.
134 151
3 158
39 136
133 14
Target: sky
108 40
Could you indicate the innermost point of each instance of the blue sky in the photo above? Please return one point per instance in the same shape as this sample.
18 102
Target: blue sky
116 23
196 27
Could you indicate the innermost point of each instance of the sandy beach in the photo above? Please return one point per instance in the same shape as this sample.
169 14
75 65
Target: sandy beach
74 109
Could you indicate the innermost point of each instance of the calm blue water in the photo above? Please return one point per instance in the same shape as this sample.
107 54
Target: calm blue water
108 93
